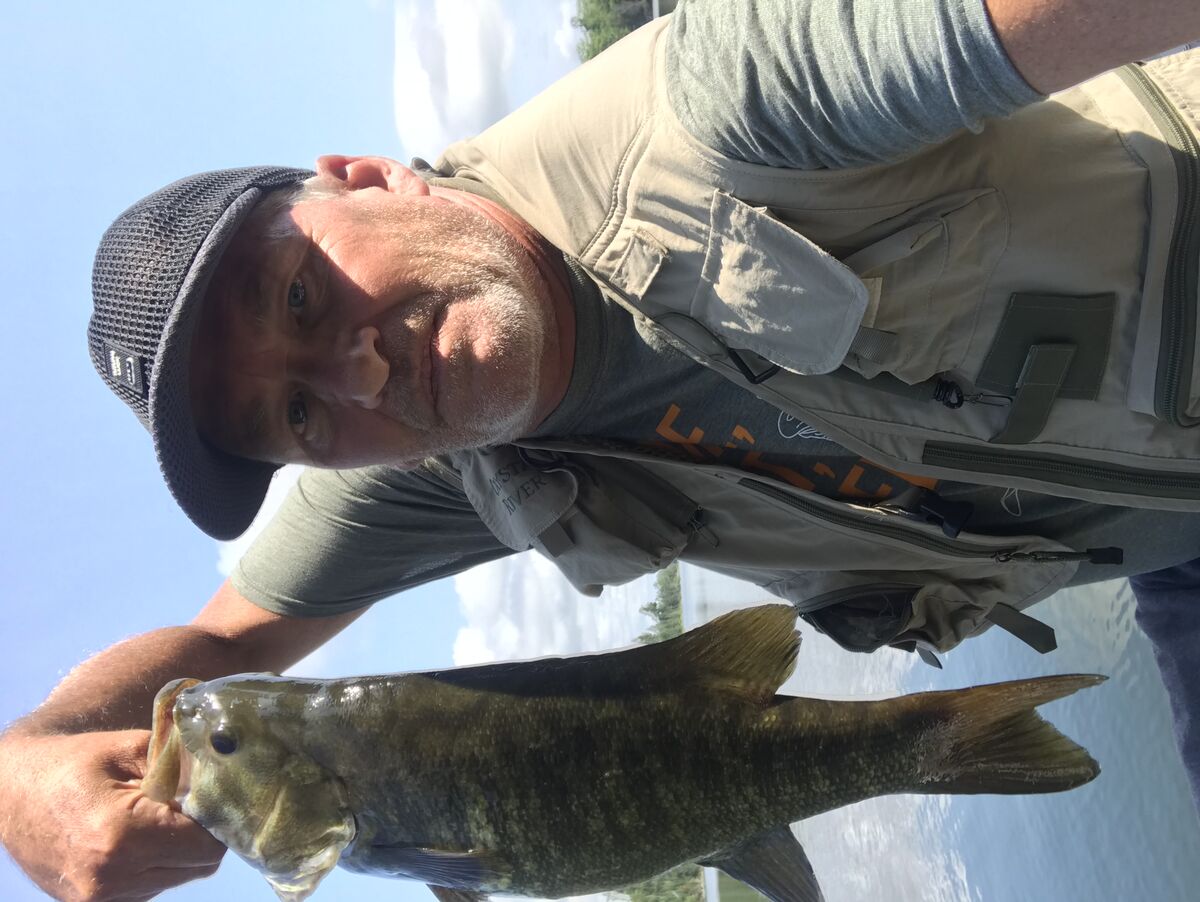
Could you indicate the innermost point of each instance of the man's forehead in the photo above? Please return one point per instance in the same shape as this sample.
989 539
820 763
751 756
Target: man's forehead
249 271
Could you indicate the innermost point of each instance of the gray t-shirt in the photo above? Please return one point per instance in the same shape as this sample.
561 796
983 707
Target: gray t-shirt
822 83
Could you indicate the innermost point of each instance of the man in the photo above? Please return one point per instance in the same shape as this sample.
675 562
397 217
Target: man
501 352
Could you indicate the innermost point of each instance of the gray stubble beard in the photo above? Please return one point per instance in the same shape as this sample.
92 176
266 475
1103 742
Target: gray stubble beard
497 273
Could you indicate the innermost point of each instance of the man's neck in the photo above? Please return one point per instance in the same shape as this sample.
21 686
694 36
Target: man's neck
559 355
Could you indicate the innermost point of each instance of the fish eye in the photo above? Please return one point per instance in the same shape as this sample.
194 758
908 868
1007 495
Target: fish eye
223 742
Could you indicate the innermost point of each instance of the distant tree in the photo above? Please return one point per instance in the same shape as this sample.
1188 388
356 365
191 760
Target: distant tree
686 882
667 607
682 884
605 22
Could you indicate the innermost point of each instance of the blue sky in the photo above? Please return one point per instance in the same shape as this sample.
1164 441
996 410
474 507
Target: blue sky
104 103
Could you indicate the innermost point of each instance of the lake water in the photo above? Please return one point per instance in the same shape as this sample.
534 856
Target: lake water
1131 834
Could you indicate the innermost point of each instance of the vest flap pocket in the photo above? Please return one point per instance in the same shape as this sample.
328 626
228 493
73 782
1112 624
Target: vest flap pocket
768 289
863 618
932 264
516 500
625 522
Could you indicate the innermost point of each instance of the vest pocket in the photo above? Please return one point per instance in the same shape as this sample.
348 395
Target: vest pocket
928 269
1165 378
767 289
902 299
625 522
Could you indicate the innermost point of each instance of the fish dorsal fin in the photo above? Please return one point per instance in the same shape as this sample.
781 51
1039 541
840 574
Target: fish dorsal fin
774 863
749 652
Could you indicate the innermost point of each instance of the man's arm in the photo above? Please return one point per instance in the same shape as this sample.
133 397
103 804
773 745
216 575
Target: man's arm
1055 44
811 84
73 816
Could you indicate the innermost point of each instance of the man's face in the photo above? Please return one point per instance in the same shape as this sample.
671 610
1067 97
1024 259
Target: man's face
393 324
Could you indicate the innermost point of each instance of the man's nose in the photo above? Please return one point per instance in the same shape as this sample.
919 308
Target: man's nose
351 371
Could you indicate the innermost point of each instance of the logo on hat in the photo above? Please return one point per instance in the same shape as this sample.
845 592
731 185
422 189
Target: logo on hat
125 368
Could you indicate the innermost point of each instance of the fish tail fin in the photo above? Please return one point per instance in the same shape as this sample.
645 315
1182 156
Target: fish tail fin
990 739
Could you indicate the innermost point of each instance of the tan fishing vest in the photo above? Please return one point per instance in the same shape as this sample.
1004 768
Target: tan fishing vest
1015 307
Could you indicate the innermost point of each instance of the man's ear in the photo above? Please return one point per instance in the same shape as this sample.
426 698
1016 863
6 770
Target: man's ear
371 172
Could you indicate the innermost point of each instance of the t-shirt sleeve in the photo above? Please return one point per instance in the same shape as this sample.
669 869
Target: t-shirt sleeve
811 84
345 539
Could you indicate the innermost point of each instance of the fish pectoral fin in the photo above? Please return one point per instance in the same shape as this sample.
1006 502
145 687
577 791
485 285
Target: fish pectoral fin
446 894
773 863
452 869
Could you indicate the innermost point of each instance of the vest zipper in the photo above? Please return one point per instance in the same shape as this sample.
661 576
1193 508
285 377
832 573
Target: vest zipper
1181 283
1092 556
954 548
1063 470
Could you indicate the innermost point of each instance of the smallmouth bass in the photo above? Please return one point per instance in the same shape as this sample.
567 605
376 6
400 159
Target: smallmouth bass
565 776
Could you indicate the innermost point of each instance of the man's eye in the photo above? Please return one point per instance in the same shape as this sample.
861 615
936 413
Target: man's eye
296 295
297 413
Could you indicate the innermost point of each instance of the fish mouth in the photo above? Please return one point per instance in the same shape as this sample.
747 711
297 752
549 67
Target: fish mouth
168 768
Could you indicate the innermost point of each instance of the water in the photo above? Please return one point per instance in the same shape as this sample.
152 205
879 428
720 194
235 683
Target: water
1131 834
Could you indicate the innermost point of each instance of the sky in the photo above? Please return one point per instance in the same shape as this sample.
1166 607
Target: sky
104 103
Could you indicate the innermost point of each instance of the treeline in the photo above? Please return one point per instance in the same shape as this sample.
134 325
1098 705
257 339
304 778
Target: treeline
667 607
605 22
682 884
686 882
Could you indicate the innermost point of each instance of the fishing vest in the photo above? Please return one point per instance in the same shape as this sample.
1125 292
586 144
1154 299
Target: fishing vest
1012 307
1015 307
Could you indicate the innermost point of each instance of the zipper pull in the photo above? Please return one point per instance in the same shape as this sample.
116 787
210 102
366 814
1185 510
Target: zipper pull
948 392
1110 555
696 526
988 400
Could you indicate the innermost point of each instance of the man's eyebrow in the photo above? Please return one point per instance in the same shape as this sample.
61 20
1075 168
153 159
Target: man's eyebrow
256 295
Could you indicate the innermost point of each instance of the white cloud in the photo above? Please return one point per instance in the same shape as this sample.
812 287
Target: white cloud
522 607
451 65
460 65
567 37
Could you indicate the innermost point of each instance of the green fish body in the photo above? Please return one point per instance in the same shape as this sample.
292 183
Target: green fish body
566 776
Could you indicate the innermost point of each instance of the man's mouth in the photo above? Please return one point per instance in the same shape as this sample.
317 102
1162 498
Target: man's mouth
436 362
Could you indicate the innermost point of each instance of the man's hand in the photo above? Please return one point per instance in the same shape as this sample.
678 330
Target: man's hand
71 811
75 820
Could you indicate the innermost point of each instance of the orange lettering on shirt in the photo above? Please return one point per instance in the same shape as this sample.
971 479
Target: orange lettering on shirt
849 487
752 461
926 482
666 428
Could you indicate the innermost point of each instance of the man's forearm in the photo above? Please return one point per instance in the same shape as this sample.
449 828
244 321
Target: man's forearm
113 690
1058 43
